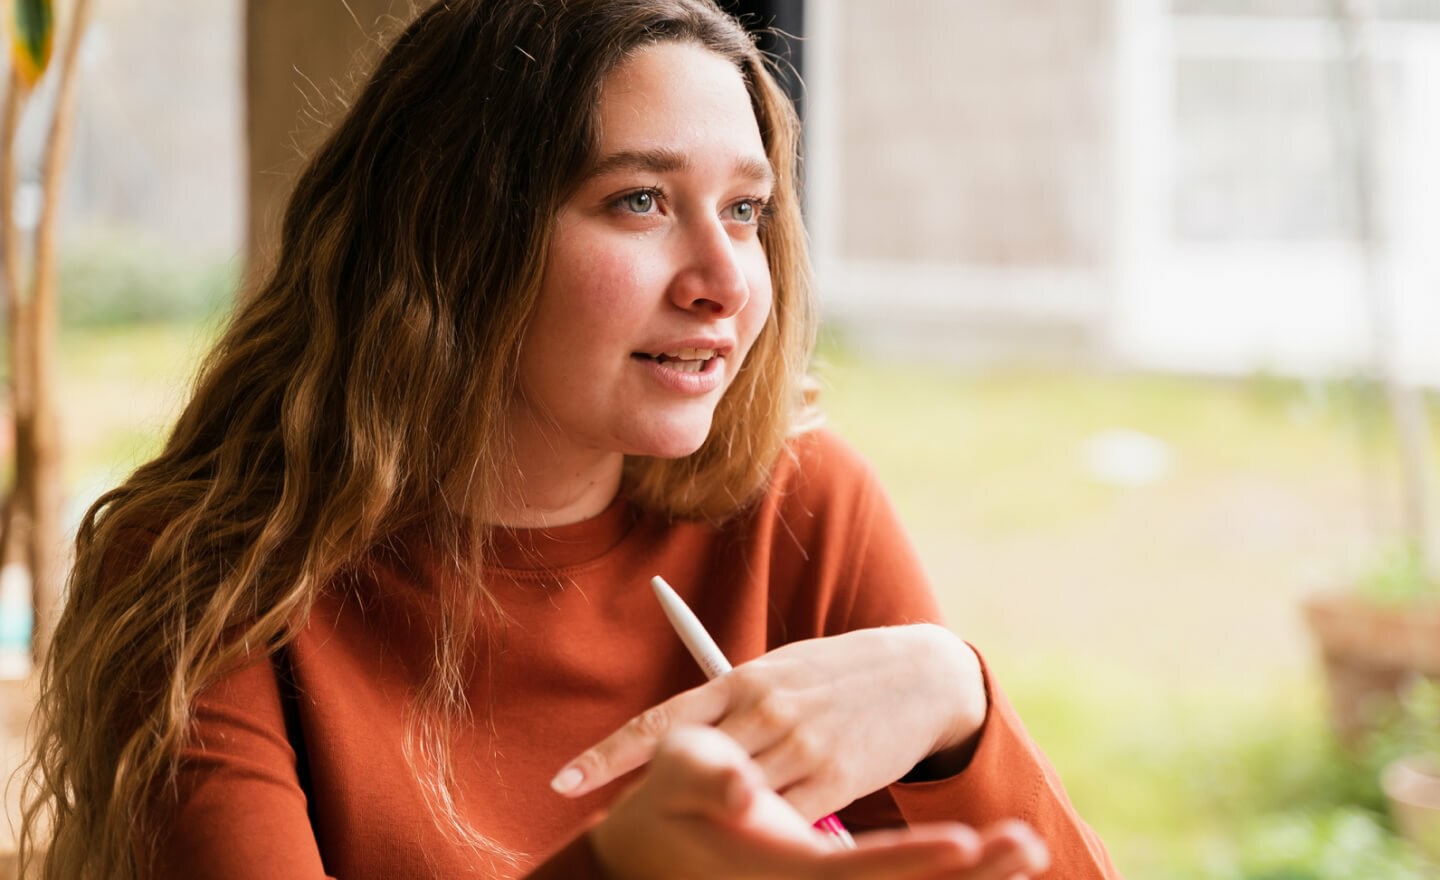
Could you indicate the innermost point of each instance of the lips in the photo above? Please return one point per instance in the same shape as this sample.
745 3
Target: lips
682 359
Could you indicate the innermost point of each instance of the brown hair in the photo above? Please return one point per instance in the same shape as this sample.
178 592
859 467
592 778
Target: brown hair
360 390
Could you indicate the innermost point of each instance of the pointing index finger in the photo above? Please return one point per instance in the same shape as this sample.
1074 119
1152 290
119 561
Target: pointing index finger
634 743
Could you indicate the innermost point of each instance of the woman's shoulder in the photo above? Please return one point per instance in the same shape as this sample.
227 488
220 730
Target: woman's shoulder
820 477
820 461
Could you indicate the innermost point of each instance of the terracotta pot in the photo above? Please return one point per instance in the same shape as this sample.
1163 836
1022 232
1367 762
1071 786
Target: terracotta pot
1369 651
1412 785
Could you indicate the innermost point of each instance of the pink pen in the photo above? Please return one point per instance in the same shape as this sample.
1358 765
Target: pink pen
708 655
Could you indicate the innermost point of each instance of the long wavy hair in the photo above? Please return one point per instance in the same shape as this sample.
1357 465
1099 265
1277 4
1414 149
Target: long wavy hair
360 390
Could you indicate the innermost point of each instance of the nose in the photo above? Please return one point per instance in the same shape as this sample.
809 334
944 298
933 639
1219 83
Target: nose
711 279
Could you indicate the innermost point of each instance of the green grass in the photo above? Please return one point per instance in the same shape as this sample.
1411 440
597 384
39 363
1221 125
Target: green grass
1014 437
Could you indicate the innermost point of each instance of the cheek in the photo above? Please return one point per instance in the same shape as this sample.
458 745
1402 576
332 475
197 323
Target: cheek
613 281
762 300
587 289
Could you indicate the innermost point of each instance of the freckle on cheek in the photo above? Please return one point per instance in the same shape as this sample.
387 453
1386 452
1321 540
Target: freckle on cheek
608 278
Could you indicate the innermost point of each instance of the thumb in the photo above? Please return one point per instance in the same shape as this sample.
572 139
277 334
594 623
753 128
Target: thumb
699 771
715 777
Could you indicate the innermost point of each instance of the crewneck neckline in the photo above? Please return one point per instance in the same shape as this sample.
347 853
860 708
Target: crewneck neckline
552 547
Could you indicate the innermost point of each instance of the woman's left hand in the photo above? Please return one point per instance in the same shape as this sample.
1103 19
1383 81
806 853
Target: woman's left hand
828 720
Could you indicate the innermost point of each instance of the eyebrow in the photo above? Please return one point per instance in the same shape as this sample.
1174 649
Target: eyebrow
661 161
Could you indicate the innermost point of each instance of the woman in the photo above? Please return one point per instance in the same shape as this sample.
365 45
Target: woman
537 332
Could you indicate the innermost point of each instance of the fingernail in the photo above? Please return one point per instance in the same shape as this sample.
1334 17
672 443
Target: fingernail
567 780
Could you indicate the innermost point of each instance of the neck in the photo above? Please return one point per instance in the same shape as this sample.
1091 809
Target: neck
556 483
567 496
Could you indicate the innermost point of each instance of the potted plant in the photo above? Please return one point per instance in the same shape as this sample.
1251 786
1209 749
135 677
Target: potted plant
1374 637
1411 782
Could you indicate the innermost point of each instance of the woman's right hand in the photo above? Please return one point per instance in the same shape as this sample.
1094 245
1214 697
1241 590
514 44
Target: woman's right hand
703 811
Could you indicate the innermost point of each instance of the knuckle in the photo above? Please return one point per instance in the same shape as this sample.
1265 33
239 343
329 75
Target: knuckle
742 682
773 712
651 725
593 763
805 747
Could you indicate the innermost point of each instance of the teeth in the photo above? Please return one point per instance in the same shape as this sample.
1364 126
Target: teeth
687 366
691 354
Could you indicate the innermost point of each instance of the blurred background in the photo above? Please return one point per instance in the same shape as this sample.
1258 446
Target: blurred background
1121 297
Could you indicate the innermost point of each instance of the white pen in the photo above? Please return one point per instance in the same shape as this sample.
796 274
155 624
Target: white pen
708 655
690 630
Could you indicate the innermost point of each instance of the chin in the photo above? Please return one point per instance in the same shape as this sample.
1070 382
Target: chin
676 441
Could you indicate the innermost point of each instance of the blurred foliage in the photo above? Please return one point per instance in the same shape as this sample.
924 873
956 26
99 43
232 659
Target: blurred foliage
32 35
1340 844
1399 577
1411 725
114 280
1420 704
122 386
1355 402
1213 786
1397 574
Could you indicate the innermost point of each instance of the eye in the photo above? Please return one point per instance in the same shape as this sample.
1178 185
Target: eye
747 210
638 202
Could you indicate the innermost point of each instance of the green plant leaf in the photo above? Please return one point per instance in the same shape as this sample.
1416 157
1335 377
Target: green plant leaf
32 33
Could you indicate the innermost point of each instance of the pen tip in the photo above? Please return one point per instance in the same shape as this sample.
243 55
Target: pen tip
664 592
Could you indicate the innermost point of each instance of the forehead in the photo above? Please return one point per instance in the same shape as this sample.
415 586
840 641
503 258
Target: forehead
678 97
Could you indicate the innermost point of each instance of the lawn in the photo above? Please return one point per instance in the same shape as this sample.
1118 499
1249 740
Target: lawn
1144 618
1128 551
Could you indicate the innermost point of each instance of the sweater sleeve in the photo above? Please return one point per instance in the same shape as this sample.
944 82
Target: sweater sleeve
1008 777
237 810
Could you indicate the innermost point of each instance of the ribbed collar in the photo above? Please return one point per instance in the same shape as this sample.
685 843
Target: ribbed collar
562 546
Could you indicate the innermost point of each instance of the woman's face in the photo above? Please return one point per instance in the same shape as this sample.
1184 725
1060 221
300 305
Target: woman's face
656 284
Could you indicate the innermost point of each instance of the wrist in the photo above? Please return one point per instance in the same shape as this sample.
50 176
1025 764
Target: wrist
962 689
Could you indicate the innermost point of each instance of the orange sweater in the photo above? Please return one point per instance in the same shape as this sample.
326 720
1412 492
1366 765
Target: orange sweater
297 769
